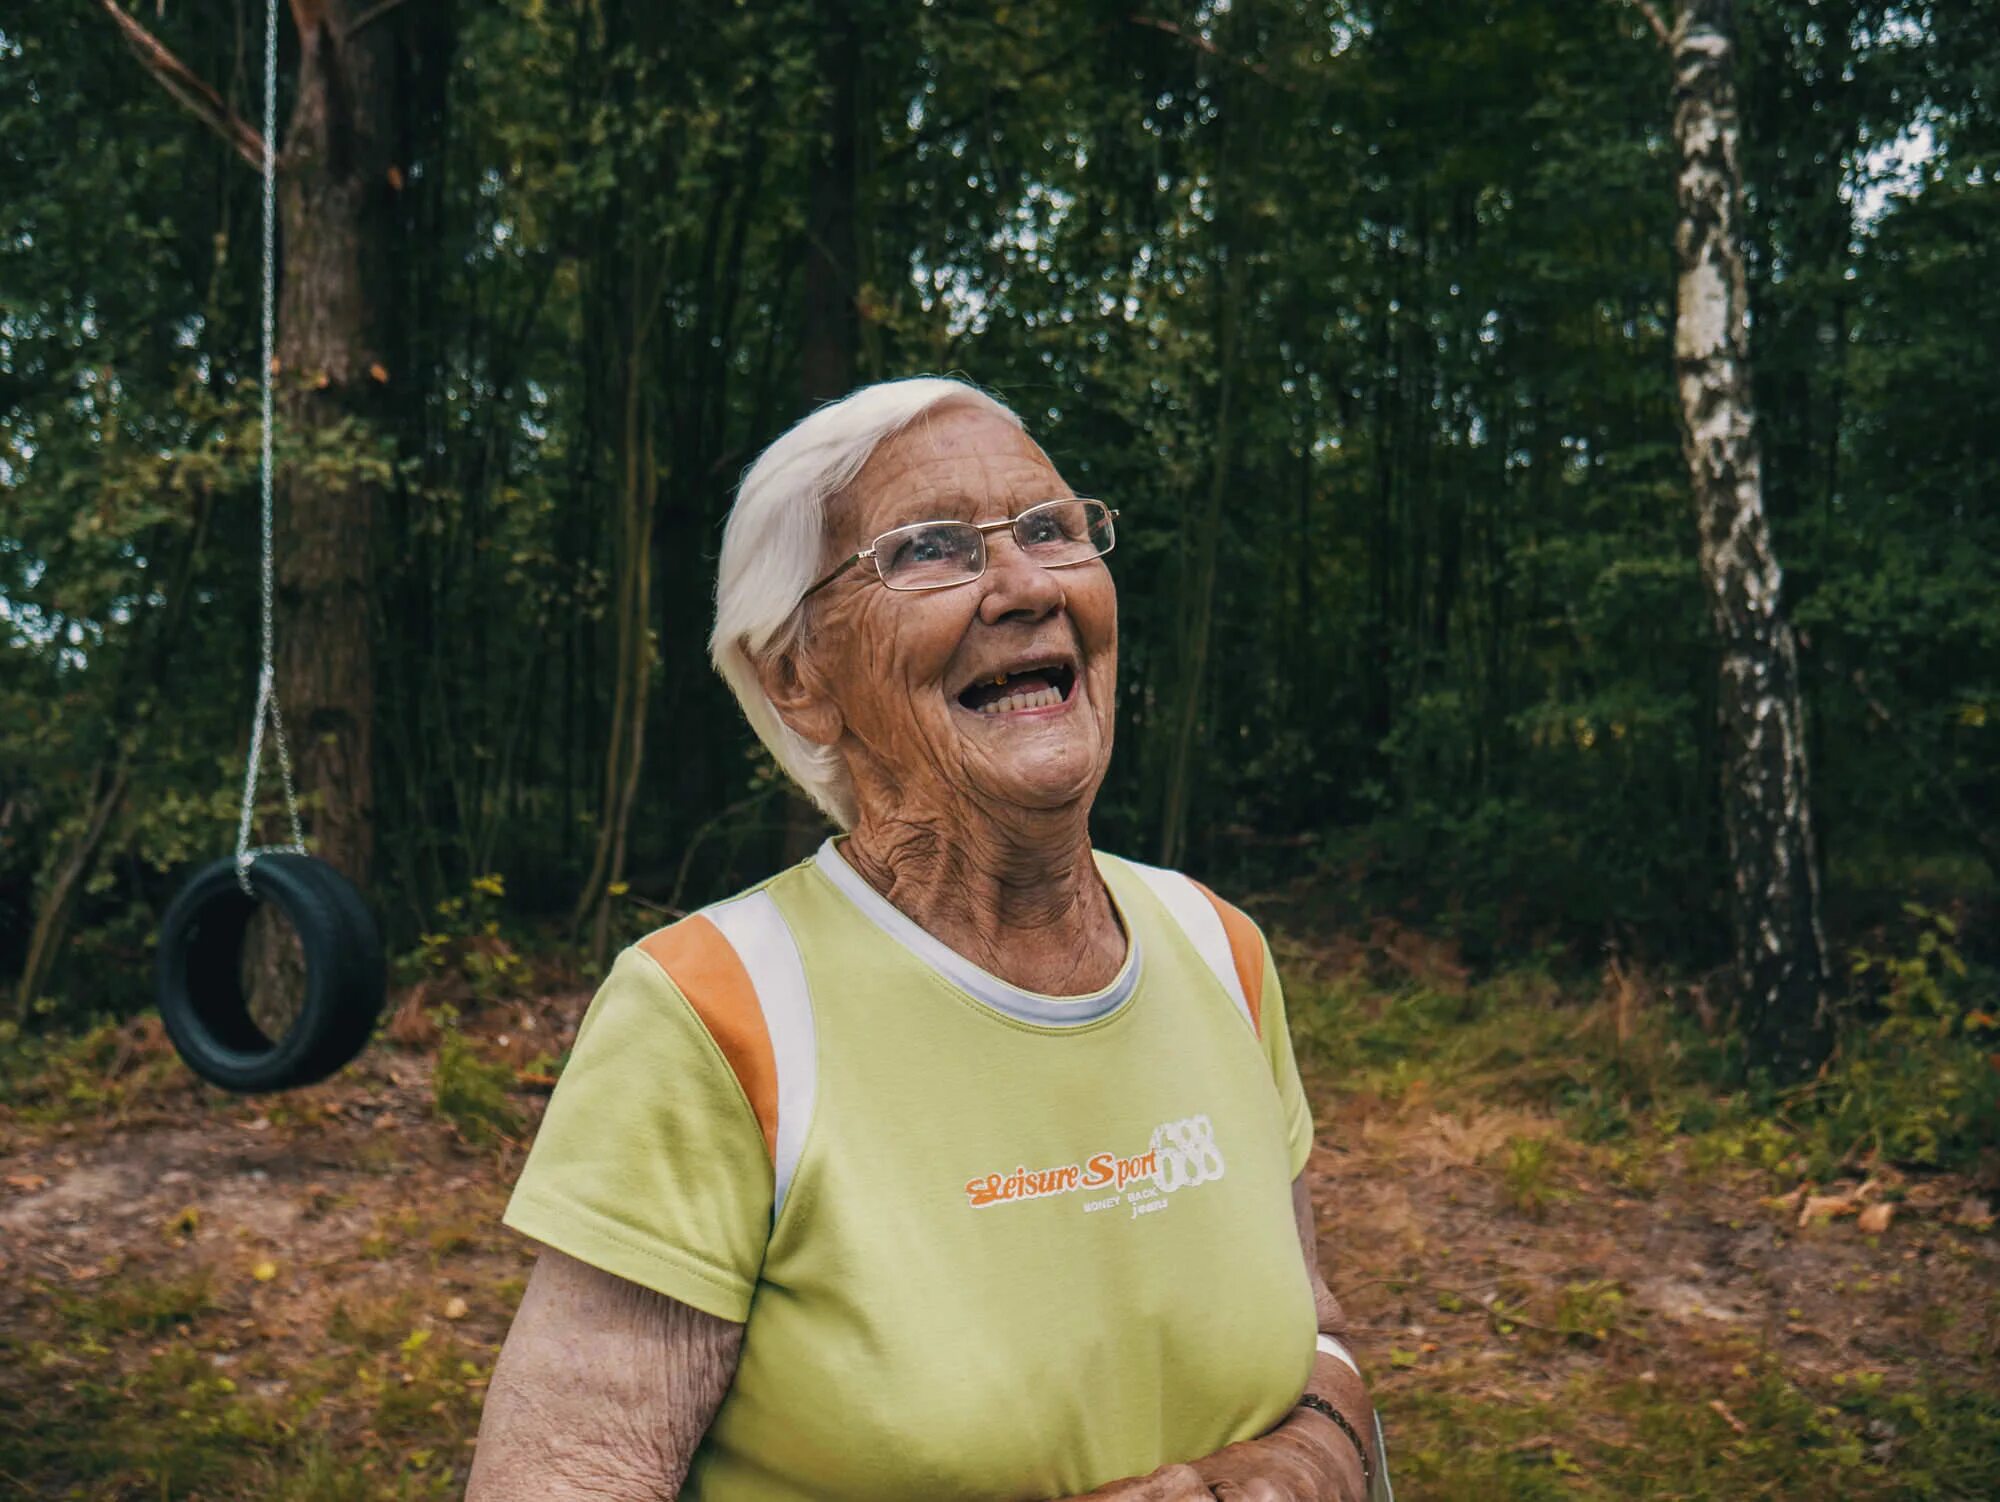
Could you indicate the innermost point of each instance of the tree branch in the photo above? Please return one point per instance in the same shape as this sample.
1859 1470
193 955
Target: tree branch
1201 43
192 92
1645 8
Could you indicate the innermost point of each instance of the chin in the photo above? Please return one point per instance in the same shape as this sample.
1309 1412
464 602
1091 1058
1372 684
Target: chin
1045 787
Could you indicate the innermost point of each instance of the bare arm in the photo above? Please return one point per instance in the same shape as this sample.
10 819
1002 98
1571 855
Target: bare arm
1331 1378
602 1391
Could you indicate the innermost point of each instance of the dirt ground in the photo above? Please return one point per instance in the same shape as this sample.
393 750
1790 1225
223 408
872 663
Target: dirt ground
209 1297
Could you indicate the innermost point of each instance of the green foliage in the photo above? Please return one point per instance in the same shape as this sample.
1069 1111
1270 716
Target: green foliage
129 1303
1528 1178
1417 254
1916 1079
179 1422
104 1069
463 953
1775 1434
468 1090
1590 1313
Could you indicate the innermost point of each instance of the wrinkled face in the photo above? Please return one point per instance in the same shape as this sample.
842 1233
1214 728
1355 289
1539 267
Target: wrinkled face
906 682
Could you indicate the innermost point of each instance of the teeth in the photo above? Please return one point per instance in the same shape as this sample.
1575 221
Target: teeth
1040 699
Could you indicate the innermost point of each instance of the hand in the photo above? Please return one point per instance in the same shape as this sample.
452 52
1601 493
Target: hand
1170 1483
1305 1459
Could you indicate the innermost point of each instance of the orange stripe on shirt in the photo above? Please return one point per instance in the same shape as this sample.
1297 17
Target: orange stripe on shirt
1246 948
705 966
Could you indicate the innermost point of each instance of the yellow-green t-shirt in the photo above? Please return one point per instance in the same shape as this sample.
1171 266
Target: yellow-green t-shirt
984 1243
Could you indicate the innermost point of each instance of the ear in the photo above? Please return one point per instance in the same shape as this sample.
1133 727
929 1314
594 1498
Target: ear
800 693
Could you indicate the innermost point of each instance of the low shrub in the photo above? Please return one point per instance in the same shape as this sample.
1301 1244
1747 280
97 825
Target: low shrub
469 1091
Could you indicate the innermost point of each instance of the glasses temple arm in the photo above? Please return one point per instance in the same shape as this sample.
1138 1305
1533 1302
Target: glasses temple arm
851 560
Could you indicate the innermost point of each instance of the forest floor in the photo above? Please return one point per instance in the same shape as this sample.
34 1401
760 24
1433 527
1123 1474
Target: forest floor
1574 1271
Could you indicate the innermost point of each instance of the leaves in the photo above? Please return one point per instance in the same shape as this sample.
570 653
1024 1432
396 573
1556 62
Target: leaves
1458 646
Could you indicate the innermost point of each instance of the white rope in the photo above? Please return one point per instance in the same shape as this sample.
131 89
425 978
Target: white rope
267 677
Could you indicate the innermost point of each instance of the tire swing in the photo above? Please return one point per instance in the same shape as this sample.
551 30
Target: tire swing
199 976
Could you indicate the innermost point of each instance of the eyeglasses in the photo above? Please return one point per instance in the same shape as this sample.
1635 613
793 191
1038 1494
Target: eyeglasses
938 555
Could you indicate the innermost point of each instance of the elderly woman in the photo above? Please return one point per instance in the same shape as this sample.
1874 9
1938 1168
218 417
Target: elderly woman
960 1160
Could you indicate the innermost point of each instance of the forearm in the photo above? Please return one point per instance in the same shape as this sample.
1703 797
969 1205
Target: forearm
1332 1379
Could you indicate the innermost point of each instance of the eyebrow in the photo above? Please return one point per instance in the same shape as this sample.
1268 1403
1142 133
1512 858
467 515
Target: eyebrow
955 506
938 506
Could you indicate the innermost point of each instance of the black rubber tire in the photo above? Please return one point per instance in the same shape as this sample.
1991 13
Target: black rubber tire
200 990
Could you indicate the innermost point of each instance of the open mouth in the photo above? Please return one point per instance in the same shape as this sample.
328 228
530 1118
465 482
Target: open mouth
1019 689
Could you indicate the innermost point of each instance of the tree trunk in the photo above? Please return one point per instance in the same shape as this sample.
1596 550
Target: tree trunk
144 683
1198 596
831 331
1202 543
632 614
336 197
1780 954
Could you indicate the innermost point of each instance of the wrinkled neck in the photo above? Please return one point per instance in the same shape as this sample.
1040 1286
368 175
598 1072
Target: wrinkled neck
1018 894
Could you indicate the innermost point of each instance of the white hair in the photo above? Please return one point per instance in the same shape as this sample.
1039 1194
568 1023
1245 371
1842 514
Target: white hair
773 544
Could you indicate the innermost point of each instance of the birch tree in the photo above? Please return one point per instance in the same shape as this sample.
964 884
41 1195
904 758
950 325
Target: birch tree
1779 951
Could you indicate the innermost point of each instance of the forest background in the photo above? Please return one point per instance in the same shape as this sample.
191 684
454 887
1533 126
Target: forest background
1361 313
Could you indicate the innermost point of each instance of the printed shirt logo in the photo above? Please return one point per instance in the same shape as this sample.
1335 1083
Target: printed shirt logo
1181 1155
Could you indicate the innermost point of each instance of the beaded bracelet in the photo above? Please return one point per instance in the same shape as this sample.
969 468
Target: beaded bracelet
1320 1405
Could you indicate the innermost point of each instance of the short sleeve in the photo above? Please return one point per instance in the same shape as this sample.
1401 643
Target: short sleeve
1277 1039
650 1163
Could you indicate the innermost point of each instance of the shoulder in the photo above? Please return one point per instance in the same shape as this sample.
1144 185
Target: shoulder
1227 938
1183 895
713 955
735 966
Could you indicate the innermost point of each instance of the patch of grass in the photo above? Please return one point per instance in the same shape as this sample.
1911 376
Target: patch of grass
1591 1312
320 1475
167 1425
461 1234
105 1069
471 1092
385 1407
128 1303
1634 1167
1752 1142
1528 1178
1624 1064
1607 1060
1690 1436
1913 1079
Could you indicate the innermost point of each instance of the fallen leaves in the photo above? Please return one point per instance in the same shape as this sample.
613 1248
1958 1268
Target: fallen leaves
1814 1207
1863 1201
1874 1219
264 1271
1449 1141
1875 1210
1973 1213
456 1308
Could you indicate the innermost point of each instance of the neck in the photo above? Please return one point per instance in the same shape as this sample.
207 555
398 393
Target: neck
1017 893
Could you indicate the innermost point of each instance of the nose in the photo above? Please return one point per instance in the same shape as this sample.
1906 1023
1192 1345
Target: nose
1016 587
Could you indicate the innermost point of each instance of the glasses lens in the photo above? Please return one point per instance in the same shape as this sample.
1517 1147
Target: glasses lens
930 555
1059 532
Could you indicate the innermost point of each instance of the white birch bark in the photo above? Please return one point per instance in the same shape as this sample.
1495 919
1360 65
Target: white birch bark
1780 953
